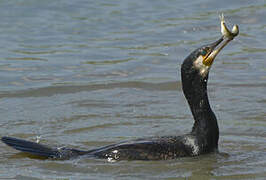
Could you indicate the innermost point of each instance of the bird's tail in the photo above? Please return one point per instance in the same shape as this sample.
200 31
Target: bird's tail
41 150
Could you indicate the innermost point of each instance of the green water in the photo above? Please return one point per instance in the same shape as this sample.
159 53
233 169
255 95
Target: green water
90 73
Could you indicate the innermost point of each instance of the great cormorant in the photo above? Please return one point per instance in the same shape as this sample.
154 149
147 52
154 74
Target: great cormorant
201 140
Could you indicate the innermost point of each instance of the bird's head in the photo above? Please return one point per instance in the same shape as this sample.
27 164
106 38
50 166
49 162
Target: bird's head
199 62
195 68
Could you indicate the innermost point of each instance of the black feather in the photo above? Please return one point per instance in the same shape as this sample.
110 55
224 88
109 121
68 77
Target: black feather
41 150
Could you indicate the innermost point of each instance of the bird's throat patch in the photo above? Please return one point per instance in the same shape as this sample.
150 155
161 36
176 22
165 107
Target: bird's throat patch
201 67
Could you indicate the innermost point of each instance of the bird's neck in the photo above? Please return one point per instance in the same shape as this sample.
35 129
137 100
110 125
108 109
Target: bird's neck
205 124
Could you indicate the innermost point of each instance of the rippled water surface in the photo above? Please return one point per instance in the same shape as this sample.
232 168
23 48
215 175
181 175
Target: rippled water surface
90 73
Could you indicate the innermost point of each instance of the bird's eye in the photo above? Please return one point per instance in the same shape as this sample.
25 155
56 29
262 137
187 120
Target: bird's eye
203 52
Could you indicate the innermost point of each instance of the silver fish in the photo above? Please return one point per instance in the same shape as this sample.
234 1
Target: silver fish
226 32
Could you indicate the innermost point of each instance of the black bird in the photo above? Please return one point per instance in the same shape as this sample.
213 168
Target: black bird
201 140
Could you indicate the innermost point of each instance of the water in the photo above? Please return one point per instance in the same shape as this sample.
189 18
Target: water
90 73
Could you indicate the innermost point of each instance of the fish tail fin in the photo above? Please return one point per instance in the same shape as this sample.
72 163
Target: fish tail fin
40 149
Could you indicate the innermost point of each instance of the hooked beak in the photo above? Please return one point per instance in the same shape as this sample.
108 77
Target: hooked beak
208 60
